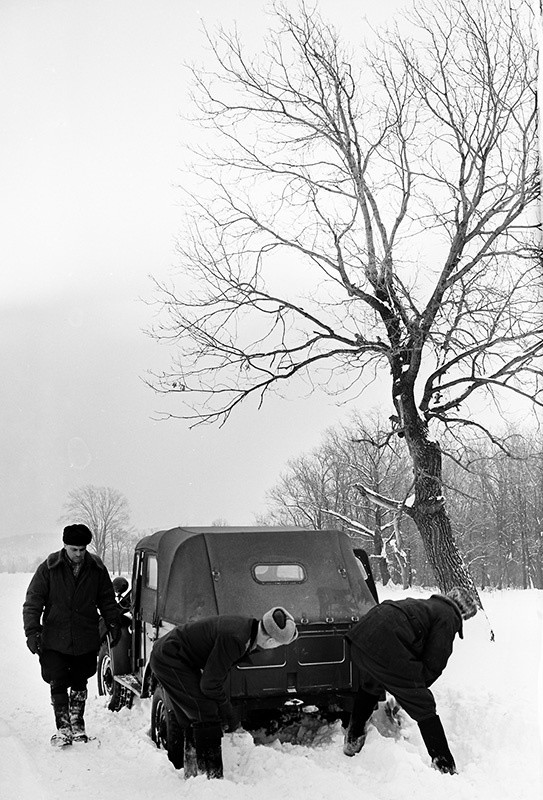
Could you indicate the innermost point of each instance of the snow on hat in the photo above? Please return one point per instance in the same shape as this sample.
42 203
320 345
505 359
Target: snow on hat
464 600
77 535
280 625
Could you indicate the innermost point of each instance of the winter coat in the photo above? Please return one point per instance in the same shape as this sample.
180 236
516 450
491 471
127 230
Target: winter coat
65 609
211 646
403 646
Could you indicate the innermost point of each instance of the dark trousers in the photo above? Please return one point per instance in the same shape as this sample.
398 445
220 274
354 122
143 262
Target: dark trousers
61 670
398 674
182 684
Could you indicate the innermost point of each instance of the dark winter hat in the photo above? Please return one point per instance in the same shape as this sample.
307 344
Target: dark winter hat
120 585
280 625
464 600
77 535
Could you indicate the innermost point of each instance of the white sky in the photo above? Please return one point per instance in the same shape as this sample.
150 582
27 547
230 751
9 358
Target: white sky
90 152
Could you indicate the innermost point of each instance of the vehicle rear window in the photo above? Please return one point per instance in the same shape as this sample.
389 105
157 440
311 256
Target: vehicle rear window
279 573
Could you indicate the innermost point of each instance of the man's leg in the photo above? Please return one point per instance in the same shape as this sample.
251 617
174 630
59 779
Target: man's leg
355 735
55 671
81 669
207 739
203 734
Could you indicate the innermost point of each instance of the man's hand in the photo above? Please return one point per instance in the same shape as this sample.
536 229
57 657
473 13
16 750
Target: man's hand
33 642
230 718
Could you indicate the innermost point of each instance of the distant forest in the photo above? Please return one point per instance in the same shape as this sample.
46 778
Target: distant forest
494 498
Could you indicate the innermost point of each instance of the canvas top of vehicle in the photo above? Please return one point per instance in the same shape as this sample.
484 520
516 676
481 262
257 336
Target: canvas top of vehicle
193 573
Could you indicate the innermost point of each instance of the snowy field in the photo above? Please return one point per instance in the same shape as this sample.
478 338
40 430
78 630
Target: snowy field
489 698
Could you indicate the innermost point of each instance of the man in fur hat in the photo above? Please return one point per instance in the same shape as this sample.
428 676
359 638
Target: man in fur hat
61 626
192 663
402 646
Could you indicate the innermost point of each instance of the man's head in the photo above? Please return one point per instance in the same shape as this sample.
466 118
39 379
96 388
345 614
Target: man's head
277 627
464 600
120 585
76 538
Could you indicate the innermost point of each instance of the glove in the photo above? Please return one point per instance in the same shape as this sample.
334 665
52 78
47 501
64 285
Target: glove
230 718
444 764
33 642
114 632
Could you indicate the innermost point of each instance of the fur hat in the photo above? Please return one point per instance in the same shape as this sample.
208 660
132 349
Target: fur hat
464 600
120 585
280 625
76 535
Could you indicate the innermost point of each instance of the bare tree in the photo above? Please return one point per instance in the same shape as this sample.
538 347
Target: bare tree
106 513
368 220
315 490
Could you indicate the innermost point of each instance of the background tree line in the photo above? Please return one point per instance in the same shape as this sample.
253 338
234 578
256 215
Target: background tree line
495 498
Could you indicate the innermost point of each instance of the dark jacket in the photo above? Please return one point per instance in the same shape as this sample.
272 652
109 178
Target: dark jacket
403 646
65 609
211 645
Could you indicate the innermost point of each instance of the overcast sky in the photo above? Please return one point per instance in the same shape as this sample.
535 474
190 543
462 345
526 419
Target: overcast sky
91 147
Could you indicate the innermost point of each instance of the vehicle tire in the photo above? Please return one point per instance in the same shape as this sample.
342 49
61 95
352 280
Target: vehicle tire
166 732
114 662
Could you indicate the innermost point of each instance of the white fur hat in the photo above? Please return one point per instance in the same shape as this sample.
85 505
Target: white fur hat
280 625
464 600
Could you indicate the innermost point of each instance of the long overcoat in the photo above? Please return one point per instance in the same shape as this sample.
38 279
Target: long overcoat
403 646
64 609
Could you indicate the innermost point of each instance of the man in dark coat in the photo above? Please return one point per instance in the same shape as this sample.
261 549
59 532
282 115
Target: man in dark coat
60 616
402 647
192 663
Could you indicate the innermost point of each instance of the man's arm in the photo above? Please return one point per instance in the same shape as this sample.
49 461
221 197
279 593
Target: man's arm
106 602
227 650
438 649
35 601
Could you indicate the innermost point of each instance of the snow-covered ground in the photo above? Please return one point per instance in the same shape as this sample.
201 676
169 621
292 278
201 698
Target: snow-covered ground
489 699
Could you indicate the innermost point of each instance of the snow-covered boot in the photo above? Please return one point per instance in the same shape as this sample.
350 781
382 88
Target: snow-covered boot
436 743
190 763
63 736
77 709
355 735
208 749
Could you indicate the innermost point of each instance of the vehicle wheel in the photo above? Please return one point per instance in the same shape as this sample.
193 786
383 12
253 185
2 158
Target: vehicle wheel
165 730
111 663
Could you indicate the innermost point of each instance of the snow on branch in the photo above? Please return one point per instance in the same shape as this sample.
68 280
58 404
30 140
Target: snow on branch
356 527
379 499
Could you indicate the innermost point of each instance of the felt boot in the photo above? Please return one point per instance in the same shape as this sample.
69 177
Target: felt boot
355 735
190 763
208 749
61 708
77 709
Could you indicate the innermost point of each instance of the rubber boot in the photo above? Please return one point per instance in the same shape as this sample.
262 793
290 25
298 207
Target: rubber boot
436 743
61 708
77 709
190 764
208 749
355 735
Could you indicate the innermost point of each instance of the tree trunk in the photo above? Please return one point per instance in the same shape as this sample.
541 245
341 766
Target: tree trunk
378 546
428 507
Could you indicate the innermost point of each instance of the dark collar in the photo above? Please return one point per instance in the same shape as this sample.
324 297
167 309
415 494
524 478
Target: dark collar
455 608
